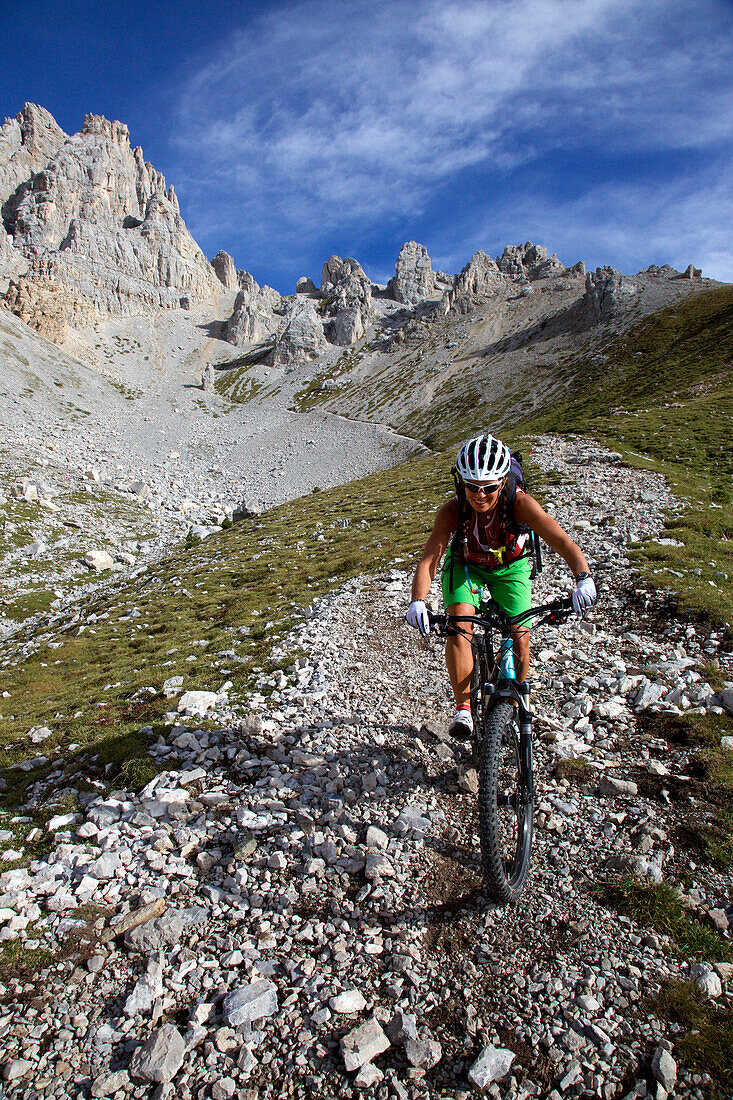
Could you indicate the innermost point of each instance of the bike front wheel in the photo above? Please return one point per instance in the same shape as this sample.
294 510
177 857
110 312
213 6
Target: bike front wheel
506 812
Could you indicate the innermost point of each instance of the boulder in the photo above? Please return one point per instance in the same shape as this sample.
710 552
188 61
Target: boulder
208 379
413 280
347 1002
249 1003
706 980
197 704
492 1064
363 1044
147 989
98 560
160 1058
626 863
664 1068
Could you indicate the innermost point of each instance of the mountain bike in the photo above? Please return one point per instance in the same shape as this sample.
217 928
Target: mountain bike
502 722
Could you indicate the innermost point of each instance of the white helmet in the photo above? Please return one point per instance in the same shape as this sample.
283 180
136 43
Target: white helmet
483 458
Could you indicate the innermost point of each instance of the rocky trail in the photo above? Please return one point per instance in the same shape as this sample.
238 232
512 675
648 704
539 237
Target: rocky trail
293 907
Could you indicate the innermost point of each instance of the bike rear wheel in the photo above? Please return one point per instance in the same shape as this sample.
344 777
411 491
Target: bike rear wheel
506 813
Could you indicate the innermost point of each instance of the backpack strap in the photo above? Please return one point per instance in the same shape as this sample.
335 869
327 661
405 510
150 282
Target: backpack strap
460 535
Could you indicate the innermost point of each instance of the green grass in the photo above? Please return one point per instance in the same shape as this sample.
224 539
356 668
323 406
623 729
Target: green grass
578 773
663 398
20 962
706 1045
258 574
708 828
658 906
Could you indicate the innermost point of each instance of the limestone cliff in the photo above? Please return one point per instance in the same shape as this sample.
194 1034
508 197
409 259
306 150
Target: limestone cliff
102 234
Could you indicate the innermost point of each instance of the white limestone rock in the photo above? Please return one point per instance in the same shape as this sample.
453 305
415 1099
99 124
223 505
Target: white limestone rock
250 1003
705 978
347 294
608 293
413 280
347 1002
492 1064
160 1058
529 261
225 269
256 315
363 1044
97 560
103 235
301 338
479 279
197 704
147 989
27 143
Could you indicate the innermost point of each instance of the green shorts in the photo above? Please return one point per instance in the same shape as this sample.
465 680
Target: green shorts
509 585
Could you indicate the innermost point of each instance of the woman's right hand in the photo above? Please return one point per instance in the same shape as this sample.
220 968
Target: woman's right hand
417 616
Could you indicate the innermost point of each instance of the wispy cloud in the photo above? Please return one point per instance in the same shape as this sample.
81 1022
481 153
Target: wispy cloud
322 119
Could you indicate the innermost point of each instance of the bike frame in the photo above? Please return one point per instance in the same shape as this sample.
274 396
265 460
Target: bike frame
499 687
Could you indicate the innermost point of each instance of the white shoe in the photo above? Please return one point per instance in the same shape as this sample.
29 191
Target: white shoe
462 726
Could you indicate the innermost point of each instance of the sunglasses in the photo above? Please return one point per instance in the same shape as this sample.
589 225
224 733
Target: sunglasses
487 490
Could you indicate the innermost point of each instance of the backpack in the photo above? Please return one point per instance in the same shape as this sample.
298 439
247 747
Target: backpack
515 479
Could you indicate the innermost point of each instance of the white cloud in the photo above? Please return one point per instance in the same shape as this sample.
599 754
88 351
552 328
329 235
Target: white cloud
321 115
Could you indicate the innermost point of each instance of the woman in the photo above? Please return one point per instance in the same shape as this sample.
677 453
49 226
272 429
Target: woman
491 518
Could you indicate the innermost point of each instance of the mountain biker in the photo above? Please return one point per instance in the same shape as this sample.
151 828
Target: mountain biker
486 530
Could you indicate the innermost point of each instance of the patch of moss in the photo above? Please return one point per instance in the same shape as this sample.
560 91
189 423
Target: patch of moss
578 773
706 1044
658 906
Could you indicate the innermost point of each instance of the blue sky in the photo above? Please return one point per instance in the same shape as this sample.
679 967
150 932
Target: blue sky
295 129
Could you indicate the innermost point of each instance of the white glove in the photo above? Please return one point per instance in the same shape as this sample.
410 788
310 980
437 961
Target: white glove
584 595
417 615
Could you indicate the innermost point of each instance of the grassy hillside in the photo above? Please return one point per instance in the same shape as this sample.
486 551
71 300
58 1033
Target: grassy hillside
663 397
223 602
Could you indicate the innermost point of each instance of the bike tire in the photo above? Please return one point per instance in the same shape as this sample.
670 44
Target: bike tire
506 815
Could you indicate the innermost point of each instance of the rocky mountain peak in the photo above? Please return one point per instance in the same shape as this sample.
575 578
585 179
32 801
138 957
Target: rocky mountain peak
529 261
413 279
101 233
225 268
27 143
114 131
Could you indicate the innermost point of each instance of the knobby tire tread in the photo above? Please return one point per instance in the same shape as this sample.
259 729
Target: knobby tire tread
501 886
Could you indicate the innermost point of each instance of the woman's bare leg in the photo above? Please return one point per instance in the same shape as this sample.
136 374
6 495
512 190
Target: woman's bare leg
459 655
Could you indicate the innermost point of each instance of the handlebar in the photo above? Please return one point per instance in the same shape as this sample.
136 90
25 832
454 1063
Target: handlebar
553 613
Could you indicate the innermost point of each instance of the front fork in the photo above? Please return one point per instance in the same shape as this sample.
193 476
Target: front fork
521 695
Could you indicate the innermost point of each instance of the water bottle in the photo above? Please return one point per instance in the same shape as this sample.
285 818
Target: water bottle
507 659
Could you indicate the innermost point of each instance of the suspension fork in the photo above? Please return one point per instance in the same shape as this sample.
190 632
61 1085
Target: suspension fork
525 742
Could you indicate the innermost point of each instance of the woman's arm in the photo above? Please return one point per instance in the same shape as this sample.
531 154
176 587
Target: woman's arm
435 547
528 511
